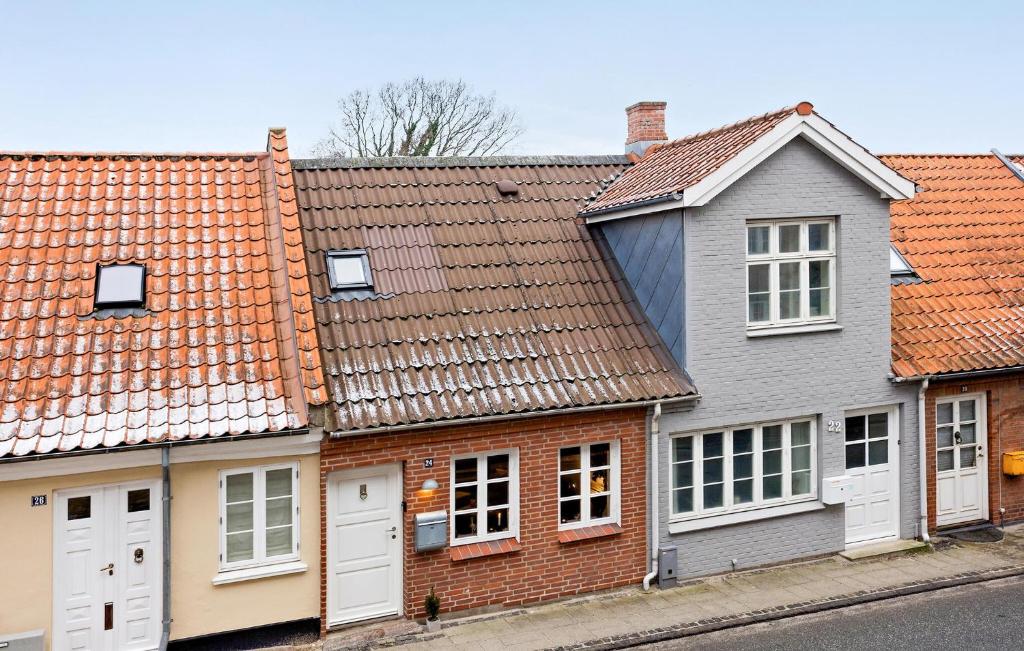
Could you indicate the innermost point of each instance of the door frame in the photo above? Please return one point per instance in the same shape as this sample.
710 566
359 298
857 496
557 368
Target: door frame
895 486
157 495
396 471
981 399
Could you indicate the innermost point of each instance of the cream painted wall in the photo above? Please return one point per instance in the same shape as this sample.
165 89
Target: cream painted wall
197 606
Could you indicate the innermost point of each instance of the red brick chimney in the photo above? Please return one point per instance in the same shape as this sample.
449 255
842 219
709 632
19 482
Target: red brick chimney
645 126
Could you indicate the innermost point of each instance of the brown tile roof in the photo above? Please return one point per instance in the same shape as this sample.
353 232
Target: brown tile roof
212 352
486 305
671 168
963 234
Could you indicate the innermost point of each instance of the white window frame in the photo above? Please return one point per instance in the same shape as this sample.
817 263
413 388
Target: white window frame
360 254
758 502
804 256
615 494
259 516
481 502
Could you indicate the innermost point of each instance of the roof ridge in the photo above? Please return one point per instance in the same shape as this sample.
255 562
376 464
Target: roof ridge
342 162
941 155
728 127
131 154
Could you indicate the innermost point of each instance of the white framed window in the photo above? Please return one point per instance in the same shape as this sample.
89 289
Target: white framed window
743 468
791 272
485 497
120 285
259 515
588 485
349 269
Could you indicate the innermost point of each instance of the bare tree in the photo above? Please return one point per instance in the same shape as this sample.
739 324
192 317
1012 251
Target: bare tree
420 118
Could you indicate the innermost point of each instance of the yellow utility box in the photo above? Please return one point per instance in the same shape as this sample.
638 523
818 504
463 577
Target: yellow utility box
1013 463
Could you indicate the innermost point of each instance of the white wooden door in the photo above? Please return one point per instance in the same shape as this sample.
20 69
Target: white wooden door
364 544
873 461
108 568
961 478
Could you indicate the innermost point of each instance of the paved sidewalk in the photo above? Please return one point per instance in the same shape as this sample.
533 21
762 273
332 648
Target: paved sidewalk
627 617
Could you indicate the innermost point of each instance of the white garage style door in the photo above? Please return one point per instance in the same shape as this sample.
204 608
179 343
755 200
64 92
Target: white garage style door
364 544
961 482
873 461
108 568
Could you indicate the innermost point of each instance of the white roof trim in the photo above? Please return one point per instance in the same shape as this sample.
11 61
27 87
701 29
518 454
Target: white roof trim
835 144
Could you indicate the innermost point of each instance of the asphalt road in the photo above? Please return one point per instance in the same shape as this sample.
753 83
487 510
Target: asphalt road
970 618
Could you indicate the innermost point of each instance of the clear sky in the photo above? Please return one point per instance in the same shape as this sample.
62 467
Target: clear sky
170 76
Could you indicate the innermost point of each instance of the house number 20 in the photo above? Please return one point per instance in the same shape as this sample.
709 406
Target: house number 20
835 426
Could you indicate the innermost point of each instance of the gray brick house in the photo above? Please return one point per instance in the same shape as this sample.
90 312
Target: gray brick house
760 252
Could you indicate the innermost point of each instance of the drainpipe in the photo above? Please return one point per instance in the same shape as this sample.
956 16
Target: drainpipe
655 496
165 468
922 462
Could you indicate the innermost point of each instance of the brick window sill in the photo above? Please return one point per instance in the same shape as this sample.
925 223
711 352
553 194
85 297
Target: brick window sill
480 550
588 533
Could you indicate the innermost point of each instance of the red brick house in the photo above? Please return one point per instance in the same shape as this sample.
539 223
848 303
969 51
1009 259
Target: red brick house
957 299
488 370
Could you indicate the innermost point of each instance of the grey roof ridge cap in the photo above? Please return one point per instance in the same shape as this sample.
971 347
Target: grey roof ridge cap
456 161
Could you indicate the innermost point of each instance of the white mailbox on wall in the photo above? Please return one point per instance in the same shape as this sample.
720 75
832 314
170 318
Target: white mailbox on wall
836 490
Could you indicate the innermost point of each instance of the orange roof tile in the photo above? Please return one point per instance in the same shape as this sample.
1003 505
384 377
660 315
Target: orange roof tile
213 351
963 234
671 168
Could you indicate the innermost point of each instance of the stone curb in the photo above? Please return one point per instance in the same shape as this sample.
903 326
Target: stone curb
776 613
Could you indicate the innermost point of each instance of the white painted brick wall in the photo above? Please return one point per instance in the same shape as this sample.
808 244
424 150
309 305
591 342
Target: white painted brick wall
748 380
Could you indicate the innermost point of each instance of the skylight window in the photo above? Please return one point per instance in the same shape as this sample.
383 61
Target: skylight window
120 285
898 265
349 270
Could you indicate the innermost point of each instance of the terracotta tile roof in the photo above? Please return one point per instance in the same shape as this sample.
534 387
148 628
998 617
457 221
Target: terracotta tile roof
671 168
212 353
485 304
963 234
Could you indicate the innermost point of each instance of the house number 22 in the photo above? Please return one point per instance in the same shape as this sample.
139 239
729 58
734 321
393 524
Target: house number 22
835 426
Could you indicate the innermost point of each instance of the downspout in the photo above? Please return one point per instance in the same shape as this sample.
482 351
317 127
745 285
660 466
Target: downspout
655 496
165 469
922 463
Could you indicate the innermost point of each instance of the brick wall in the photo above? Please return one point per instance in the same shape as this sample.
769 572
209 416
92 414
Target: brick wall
544 568
1005 398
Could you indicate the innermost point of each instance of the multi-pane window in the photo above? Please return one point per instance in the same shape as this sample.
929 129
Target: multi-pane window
259 515
588 484
742 468
485 496
790 272
956 435
867 440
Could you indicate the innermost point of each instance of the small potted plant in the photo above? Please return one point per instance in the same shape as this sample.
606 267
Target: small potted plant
433 606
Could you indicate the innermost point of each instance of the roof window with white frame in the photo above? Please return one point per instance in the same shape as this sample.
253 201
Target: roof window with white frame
120 285
349 270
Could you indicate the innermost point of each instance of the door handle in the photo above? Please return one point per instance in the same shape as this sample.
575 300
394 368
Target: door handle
109 569
392 531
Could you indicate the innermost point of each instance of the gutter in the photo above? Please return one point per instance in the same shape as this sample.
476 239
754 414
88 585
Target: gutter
654 495
457 422
44 456
959 375
674 197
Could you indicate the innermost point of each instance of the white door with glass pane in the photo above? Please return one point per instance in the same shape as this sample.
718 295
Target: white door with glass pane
364 544
873 462
961 481
108 566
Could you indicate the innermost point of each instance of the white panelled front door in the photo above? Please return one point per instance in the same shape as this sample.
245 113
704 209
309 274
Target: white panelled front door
364 544
873 461
961 479
108 567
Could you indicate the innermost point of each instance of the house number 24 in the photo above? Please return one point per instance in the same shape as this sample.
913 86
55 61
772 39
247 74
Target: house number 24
835 426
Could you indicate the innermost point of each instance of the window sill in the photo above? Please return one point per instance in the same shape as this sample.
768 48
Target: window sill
259 572
696 524
479 550
588 533
794 329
